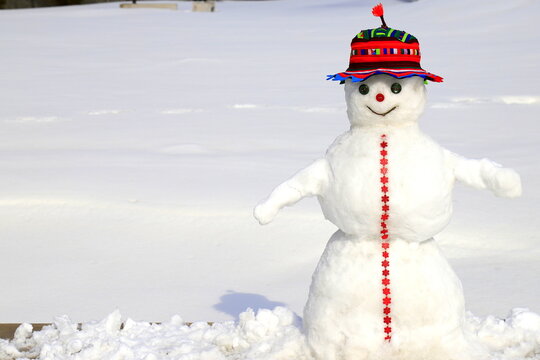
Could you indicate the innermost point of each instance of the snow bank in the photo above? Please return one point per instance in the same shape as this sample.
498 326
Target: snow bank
516 337
268 334
265 335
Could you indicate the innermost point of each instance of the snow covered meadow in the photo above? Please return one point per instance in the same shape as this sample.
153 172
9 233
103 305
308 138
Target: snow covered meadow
135 143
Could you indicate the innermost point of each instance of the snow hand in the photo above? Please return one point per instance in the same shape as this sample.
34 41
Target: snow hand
265 213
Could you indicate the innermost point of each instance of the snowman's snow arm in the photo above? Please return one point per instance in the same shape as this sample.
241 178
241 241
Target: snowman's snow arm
310 181
486 174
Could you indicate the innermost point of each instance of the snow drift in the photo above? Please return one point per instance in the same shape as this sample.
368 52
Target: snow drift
265 335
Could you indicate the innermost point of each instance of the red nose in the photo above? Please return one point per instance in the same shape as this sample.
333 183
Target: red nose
379 97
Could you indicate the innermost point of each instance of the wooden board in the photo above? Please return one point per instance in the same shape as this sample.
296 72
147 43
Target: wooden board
204 6
8 330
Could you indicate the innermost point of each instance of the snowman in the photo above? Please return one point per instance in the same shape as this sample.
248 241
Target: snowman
382 289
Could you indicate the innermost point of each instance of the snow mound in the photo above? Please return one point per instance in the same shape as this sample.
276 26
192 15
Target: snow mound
516 337
265 335
268 334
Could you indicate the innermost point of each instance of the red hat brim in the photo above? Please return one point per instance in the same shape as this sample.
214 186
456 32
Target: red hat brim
362 75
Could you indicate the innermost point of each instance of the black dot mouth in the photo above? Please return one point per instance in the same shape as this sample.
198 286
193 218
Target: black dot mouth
383 114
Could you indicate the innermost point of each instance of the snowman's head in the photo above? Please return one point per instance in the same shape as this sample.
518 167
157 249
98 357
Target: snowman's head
385 100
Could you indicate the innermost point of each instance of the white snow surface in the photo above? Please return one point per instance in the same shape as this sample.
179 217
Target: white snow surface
135 144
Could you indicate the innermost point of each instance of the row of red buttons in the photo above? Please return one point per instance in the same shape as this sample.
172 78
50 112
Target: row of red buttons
385 199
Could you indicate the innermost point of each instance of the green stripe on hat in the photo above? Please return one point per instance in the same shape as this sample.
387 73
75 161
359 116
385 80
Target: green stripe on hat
404 38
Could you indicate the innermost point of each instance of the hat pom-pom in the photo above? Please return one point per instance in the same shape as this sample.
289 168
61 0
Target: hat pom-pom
378 11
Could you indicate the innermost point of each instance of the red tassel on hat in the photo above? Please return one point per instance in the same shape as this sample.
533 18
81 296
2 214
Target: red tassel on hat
378 11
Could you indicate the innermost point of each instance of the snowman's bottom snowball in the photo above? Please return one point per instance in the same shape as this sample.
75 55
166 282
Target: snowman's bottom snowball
343 317
269 334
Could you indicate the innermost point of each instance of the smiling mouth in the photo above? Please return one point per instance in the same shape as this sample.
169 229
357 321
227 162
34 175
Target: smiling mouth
383 114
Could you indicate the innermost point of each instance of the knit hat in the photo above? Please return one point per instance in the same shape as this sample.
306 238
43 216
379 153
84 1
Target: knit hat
384 51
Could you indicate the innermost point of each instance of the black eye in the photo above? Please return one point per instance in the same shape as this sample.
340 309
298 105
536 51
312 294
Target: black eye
364 89
396 88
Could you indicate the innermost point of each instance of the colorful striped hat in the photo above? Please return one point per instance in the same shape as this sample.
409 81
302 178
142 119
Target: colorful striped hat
384 51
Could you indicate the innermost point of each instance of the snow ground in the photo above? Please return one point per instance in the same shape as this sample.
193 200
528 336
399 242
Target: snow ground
267 334
134 145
